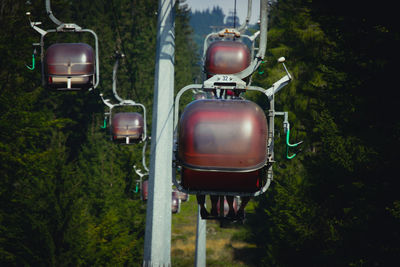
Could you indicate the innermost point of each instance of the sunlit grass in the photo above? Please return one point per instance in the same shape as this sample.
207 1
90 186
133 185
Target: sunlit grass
221 243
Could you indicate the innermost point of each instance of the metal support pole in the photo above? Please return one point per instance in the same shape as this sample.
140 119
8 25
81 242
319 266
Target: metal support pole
234 16
271 132
50 13
157 243
200 257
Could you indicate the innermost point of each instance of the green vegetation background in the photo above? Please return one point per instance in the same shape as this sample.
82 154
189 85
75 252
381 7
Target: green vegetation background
66 192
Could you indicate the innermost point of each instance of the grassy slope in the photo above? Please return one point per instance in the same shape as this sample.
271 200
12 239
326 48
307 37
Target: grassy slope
225 247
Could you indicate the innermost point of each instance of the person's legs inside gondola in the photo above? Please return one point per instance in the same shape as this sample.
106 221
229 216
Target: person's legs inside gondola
201 200
244 201
214 205
231 212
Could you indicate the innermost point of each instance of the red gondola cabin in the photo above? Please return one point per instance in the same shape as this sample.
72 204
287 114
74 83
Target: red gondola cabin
127 127
226 57
145 190
69 66
222 145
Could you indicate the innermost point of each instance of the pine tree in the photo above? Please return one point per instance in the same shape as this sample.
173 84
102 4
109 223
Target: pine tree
327 208
66 191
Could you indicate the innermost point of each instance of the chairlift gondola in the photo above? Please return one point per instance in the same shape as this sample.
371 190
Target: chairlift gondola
145 190
227 138
67 66
224 146
226 57
230 51
126 127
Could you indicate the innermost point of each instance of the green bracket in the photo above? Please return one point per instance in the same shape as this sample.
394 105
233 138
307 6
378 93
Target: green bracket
33 63
288 144
136 188
261 72
104 124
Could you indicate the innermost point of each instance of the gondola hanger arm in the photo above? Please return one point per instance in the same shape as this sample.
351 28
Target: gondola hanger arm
278 85
34 25
106 102
139 172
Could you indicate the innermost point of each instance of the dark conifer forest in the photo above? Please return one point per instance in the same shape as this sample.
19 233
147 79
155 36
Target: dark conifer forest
67 194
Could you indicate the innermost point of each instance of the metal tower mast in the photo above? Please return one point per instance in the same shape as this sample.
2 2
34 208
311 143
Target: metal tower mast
157 246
